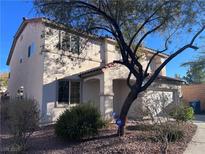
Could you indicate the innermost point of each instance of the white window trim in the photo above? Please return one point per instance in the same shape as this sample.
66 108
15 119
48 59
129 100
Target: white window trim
67 104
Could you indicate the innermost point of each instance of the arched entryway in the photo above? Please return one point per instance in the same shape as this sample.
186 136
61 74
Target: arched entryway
91 92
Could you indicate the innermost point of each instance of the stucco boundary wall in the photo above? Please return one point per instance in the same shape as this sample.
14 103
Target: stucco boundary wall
193 92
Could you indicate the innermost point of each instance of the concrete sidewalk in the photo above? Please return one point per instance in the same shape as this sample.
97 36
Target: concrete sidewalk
197 145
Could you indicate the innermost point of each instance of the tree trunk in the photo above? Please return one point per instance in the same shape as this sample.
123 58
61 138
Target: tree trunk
124 110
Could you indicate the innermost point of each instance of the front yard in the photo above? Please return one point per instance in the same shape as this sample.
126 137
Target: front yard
138 139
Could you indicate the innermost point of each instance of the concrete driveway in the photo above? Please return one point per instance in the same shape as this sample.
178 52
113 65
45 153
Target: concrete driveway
197 145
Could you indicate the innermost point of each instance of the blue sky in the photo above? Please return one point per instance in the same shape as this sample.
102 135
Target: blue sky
12 12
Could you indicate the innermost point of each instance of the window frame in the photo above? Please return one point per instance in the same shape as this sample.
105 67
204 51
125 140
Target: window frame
70 91
63 102
66 104
31 49
72 45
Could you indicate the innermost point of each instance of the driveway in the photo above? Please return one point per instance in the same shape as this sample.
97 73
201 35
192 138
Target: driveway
197 145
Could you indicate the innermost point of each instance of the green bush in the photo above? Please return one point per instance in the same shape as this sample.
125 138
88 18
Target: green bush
189 113
169 132
4 111
82 121
182 113
173 134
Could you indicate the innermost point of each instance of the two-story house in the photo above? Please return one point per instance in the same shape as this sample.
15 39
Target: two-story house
49 64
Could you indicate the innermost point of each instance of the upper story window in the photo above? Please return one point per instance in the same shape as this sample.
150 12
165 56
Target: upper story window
31 49
68 92
65 44
71 43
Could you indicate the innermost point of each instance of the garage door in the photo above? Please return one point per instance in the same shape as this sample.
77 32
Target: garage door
155 100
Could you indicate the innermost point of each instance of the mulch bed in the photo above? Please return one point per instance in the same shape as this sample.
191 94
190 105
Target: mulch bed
135 141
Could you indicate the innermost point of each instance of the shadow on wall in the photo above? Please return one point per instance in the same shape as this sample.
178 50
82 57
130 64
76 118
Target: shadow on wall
65 56
121 91
90 92
156 104
49 102
50 110
62 61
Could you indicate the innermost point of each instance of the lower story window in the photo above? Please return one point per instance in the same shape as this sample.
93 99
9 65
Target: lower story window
63 91
69 92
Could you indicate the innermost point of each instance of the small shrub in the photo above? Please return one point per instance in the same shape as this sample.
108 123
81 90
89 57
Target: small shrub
4 111
189 113
182 113
169 132
173 134
22 120
79 122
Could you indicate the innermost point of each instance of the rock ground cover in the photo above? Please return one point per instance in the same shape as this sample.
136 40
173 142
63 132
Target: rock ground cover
136 140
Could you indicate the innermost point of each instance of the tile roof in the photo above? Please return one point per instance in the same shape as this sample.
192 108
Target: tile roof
99 70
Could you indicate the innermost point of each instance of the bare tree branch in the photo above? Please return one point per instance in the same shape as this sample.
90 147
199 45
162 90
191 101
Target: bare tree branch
145 35
102 28
128 80
157 71
159 52
145 22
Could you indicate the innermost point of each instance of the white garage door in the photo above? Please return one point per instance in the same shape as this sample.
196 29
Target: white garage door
157 100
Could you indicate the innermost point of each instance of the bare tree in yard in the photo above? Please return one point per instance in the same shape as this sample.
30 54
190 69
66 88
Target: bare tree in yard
130 22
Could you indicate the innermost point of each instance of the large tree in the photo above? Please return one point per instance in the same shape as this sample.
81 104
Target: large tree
130 22
196 70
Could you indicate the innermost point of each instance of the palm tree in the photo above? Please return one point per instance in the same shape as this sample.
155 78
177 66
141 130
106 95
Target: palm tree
196 70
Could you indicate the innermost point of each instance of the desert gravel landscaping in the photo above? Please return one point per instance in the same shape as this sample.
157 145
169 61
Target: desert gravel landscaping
138 139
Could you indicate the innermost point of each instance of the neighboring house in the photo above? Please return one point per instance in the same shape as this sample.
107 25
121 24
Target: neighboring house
194 92
52 66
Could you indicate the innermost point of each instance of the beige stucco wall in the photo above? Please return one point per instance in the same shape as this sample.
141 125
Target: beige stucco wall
112 54
69 66
29 73
91 92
